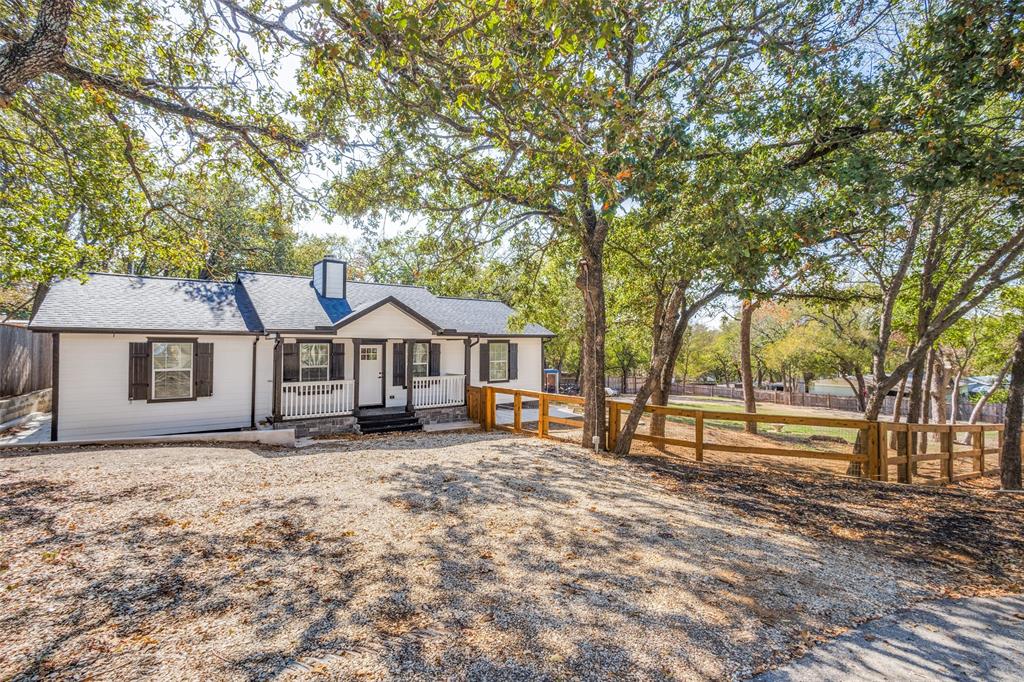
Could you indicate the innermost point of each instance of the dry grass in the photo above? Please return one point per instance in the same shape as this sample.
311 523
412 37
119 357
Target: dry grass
470 556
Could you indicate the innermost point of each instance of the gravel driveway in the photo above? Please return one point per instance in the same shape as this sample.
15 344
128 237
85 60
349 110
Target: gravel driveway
470 556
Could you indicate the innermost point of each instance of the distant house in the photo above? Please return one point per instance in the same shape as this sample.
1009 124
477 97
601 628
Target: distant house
151 355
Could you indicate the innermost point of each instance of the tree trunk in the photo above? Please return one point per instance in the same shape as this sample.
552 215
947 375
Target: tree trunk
862 391
661 392
914 410
590 282
669 330
954 396
871 412
940 380
979 406
1009 457
897 409
746 373
926 402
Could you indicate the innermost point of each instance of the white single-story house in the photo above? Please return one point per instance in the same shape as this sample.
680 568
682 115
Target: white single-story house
140 356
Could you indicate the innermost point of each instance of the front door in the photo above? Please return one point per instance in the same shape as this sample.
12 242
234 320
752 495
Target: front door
371 375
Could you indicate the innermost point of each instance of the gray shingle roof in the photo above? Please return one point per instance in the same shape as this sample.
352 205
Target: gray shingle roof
125 302
288 302
256 302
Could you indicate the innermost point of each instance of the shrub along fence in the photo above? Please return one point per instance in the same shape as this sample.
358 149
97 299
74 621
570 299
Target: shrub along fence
930 454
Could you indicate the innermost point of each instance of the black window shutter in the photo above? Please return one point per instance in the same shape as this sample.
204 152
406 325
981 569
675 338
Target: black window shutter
513 361
138 371
337 361
398 366
485 362
290 368
203 361
434 368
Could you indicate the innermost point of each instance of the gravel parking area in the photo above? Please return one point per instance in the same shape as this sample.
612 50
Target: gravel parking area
462 555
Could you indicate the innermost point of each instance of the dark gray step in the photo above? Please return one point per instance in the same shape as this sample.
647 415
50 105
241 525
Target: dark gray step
385 418
389 428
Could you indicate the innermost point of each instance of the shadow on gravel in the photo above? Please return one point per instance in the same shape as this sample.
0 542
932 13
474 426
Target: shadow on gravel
519 563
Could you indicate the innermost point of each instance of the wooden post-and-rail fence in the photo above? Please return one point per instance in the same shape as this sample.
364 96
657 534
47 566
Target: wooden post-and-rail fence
877 447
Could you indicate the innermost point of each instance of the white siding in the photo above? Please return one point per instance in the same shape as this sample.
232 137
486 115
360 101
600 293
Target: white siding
452 360
386 322
318 278
93 389
530 366
94 379
264 377
334 273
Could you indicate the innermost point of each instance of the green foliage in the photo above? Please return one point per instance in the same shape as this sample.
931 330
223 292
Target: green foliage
105 163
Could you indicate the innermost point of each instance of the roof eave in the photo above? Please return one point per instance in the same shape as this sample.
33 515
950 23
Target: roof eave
121 330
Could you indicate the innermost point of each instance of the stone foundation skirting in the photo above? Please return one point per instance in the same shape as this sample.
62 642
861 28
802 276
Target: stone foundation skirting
320 426
443 415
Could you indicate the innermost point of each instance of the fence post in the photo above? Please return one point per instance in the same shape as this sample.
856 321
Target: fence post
542 417
870 467
905 446
613 424
946 441
698 436
487 401
883 452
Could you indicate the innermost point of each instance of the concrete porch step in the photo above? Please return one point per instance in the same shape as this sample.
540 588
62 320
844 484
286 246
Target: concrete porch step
451 426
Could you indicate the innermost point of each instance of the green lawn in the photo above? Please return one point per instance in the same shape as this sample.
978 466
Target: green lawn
794 431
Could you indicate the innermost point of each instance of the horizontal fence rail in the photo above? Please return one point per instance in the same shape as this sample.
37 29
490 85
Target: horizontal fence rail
990 412
302 399
869 449
442 391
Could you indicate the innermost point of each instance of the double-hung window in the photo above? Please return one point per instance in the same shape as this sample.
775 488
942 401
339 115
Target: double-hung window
172 370
314 361
498 359
420 359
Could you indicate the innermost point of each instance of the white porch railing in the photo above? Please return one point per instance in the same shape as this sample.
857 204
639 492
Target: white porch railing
441 391
301 399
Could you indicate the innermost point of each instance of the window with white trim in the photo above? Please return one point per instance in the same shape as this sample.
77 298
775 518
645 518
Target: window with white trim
497 353
420 359
314 361
172 370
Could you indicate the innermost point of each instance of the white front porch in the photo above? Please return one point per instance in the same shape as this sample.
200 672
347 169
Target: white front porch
347 376
308 399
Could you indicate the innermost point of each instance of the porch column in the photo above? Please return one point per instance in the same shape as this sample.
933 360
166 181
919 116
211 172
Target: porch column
278 369
466 364
355 375
408 375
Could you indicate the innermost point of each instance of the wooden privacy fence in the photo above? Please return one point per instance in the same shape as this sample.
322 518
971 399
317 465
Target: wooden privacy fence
25 361
879 449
